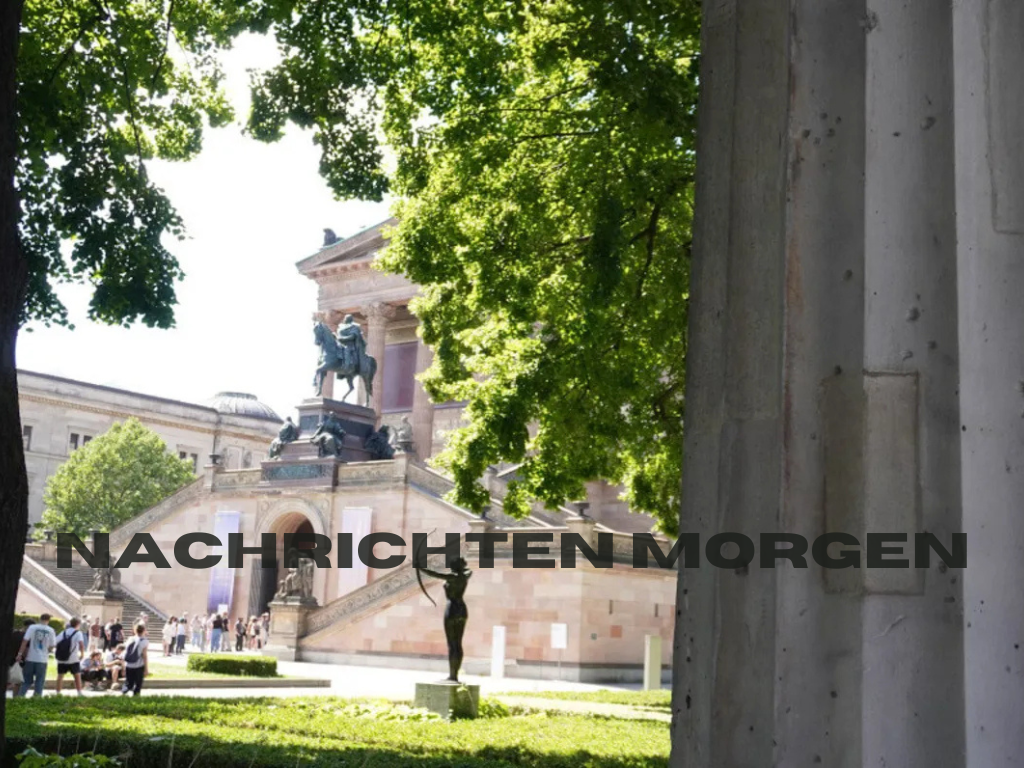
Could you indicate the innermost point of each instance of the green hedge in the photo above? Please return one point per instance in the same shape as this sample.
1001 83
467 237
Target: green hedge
322 732
225 664
19 620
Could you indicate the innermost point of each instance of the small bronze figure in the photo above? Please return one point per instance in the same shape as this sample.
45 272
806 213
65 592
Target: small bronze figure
378 444
288 433
455 612
329 437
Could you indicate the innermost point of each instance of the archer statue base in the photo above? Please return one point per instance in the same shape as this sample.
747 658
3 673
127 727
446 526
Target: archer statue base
451 700
102 605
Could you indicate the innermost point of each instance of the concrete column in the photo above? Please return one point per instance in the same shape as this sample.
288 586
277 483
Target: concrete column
988 65
821 391
422 408
377 317
652 663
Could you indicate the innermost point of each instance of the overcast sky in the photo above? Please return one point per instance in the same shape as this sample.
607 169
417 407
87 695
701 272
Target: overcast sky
243 320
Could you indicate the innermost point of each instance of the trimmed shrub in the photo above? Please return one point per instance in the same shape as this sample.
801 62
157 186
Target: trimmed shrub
224 664
55 623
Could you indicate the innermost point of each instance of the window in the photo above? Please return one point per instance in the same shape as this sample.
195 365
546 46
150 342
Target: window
76 440
195 461
26 437
399 377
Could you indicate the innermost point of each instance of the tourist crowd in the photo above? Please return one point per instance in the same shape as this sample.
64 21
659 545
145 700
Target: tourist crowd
99 655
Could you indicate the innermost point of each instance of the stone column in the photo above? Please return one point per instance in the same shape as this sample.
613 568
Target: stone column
822 388
422 408
377 317
988 65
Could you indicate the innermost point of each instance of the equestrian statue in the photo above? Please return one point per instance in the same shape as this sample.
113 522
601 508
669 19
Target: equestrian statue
345 356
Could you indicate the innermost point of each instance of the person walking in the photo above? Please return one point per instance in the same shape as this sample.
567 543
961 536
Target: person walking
225 638
182 632
239 634
14 672
35 652
69 650
136 661
216 627
197 632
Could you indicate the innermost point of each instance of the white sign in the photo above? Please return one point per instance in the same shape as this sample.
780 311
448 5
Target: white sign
498 652
559 636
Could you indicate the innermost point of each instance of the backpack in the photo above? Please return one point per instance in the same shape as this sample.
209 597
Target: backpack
131 653
64 645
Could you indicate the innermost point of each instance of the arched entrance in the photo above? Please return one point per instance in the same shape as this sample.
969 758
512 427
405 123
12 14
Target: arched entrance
265 580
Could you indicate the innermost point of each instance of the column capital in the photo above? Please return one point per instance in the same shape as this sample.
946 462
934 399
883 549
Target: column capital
379 311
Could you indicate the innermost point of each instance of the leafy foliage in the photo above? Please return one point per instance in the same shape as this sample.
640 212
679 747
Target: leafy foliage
111 479
243 666
543 153
31 758
19 621
105 85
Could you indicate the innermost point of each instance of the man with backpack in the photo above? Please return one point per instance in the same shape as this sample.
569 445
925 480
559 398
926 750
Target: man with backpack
136 661
69 649
35 652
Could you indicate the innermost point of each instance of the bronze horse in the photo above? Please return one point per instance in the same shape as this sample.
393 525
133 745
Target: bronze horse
333 360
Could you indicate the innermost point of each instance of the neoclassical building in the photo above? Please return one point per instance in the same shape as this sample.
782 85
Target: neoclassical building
59 415
348 284
586 622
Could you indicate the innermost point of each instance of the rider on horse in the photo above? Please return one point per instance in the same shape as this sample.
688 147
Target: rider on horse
351 341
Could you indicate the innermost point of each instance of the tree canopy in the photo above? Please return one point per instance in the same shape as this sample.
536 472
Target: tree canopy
543 157
111 479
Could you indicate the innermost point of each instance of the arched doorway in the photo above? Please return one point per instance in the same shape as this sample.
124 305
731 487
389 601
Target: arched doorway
266 579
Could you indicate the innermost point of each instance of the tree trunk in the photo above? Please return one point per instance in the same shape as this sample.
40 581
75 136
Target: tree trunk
14 272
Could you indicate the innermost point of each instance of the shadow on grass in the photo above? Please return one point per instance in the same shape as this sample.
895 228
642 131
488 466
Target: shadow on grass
174 732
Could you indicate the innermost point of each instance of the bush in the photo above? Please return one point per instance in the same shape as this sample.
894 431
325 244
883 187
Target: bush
223 664
19 620
30 758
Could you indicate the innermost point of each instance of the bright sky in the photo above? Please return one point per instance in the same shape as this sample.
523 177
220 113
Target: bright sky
252 211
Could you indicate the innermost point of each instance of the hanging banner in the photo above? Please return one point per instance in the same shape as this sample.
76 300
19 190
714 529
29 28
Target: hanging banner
222 578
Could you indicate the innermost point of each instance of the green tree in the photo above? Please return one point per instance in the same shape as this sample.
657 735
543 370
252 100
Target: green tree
89 91
543 156
111 479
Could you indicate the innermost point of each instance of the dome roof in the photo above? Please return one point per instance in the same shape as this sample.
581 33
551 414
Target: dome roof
242 404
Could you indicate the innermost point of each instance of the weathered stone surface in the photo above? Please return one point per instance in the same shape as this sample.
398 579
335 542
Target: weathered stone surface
450 700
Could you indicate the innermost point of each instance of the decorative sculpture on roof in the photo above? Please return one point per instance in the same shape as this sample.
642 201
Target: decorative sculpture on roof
345 356
288 433
403 436
329 237
379 445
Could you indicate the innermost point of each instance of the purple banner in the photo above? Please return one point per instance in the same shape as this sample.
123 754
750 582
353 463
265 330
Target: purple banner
222 578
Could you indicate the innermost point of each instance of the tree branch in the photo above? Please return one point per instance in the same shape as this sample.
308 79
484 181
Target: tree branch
167 40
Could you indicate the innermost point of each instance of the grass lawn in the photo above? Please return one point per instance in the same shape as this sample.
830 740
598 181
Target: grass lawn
292 733
660 700
157 670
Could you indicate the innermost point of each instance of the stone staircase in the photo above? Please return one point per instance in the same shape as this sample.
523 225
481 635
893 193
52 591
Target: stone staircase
65 587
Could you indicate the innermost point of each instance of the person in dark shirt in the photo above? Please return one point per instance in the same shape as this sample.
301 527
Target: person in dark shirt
116 633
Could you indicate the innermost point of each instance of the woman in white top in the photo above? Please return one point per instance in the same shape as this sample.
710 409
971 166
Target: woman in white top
170 630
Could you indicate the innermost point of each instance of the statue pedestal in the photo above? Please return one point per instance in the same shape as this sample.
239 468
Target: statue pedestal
357 421
449 700
105 606
287 625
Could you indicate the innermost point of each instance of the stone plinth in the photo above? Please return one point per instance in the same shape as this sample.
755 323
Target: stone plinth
357 421
105 606
287 625
448 699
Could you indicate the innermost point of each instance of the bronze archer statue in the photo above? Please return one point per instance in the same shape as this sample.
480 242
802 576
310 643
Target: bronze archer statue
455 612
